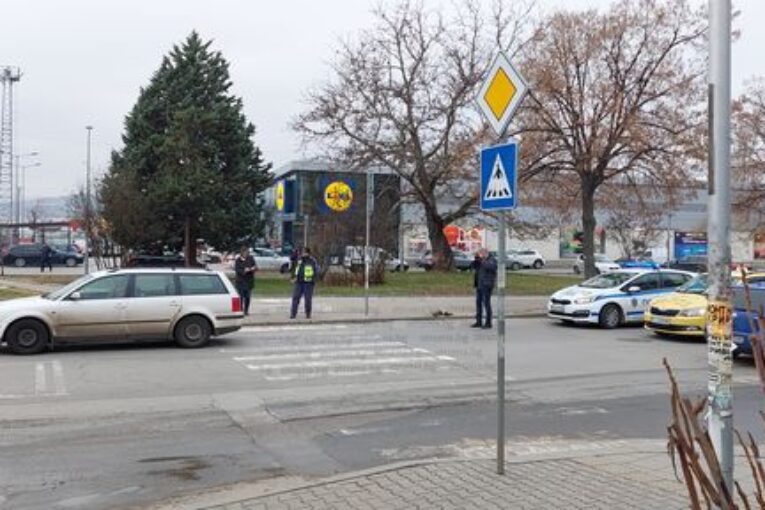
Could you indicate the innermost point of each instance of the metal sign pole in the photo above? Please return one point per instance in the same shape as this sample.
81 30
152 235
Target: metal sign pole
501 283
498 103
86 259
719 313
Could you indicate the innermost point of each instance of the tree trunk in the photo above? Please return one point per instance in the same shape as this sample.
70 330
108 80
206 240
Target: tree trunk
439 245
189 244
588 228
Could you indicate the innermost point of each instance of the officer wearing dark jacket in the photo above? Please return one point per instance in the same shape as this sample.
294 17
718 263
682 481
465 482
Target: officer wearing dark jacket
245 267
485 279
306 272
46 258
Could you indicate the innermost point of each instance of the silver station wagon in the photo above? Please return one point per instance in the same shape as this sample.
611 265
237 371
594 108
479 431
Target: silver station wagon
186 305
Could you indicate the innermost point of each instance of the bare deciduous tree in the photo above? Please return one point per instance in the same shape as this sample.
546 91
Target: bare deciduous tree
633 214
401 96
748 155
614 93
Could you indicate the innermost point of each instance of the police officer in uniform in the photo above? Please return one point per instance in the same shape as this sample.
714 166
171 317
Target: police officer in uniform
306 272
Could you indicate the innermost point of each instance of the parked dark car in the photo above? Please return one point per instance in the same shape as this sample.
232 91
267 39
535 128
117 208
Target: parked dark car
31 255
695 264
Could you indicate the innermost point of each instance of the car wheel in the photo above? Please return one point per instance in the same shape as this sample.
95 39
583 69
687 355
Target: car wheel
406 268
515 266
538 264
284 268
610 317
20 262
27 336
577 270
193 332
70 262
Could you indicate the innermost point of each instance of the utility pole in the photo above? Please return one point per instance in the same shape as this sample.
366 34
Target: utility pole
719 312
87 204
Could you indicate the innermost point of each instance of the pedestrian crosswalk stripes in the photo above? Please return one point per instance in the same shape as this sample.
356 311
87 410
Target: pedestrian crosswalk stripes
324 353
340 358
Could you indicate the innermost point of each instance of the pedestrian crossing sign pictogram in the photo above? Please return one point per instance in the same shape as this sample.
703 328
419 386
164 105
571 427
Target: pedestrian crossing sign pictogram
499 177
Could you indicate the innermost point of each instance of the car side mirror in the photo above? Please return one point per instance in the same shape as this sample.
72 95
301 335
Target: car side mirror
75 296
634 289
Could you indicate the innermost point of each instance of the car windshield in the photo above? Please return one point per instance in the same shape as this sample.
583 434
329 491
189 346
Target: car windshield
607 281
66 289
697 285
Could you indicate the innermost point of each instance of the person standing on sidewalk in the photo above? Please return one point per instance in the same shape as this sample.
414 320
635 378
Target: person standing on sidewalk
245 267
475 267
46 258
306 272
485 280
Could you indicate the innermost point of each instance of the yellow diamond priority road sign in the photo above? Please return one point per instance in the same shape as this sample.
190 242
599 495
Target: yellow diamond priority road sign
502 91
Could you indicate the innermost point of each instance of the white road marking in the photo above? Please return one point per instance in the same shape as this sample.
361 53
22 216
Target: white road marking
41 380
276 360
280 347
49 379
59 385
325 353
577 411
345 363
330 373
307 327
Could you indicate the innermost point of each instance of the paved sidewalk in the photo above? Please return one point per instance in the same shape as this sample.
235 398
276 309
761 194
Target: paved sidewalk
552 484
613 475
273 311
349 309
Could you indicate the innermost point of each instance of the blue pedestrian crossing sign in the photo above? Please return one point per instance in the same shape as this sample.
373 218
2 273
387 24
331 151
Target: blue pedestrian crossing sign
499 177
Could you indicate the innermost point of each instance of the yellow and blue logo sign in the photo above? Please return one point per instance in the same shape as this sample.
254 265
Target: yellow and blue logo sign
338 196
280 196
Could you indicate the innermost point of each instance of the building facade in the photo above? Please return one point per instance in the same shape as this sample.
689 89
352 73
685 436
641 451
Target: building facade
316 204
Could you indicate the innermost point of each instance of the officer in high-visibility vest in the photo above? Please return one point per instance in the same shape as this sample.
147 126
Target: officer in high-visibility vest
306 272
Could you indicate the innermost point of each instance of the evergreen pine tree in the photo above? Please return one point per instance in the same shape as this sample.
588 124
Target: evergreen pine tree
189 168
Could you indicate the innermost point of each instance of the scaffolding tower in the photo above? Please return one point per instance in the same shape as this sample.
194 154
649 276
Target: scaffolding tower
8 76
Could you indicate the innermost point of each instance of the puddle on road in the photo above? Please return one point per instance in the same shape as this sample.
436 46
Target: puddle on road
188 470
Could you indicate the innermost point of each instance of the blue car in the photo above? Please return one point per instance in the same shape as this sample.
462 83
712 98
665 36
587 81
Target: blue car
743 318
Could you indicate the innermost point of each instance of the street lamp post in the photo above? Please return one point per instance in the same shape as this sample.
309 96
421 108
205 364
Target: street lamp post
719 311
16 189
87 203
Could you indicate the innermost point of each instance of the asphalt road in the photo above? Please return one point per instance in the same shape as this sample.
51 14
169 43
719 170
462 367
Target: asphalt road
96 427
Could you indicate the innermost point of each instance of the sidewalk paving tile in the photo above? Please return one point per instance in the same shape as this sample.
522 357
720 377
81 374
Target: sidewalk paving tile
570 484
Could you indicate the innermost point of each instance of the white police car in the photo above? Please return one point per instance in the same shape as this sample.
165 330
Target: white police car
614 298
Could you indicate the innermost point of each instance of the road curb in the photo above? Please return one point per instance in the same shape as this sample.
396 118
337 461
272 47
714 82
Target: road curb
364 320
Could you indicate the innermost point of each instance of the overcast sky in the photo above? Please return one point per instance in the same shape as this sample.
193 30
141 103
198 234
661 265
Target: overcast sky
85 60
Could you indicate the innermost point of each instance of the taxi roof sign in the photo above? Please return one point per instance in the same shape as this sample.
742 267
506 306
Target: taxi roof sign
501 93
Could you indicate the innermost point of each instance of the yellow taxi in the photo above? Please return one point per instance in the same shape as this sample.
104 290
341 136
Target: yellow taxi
683 312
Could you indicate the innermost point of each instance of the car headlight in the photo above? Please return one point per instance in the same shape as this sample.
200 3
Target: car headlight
584 300
693 312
